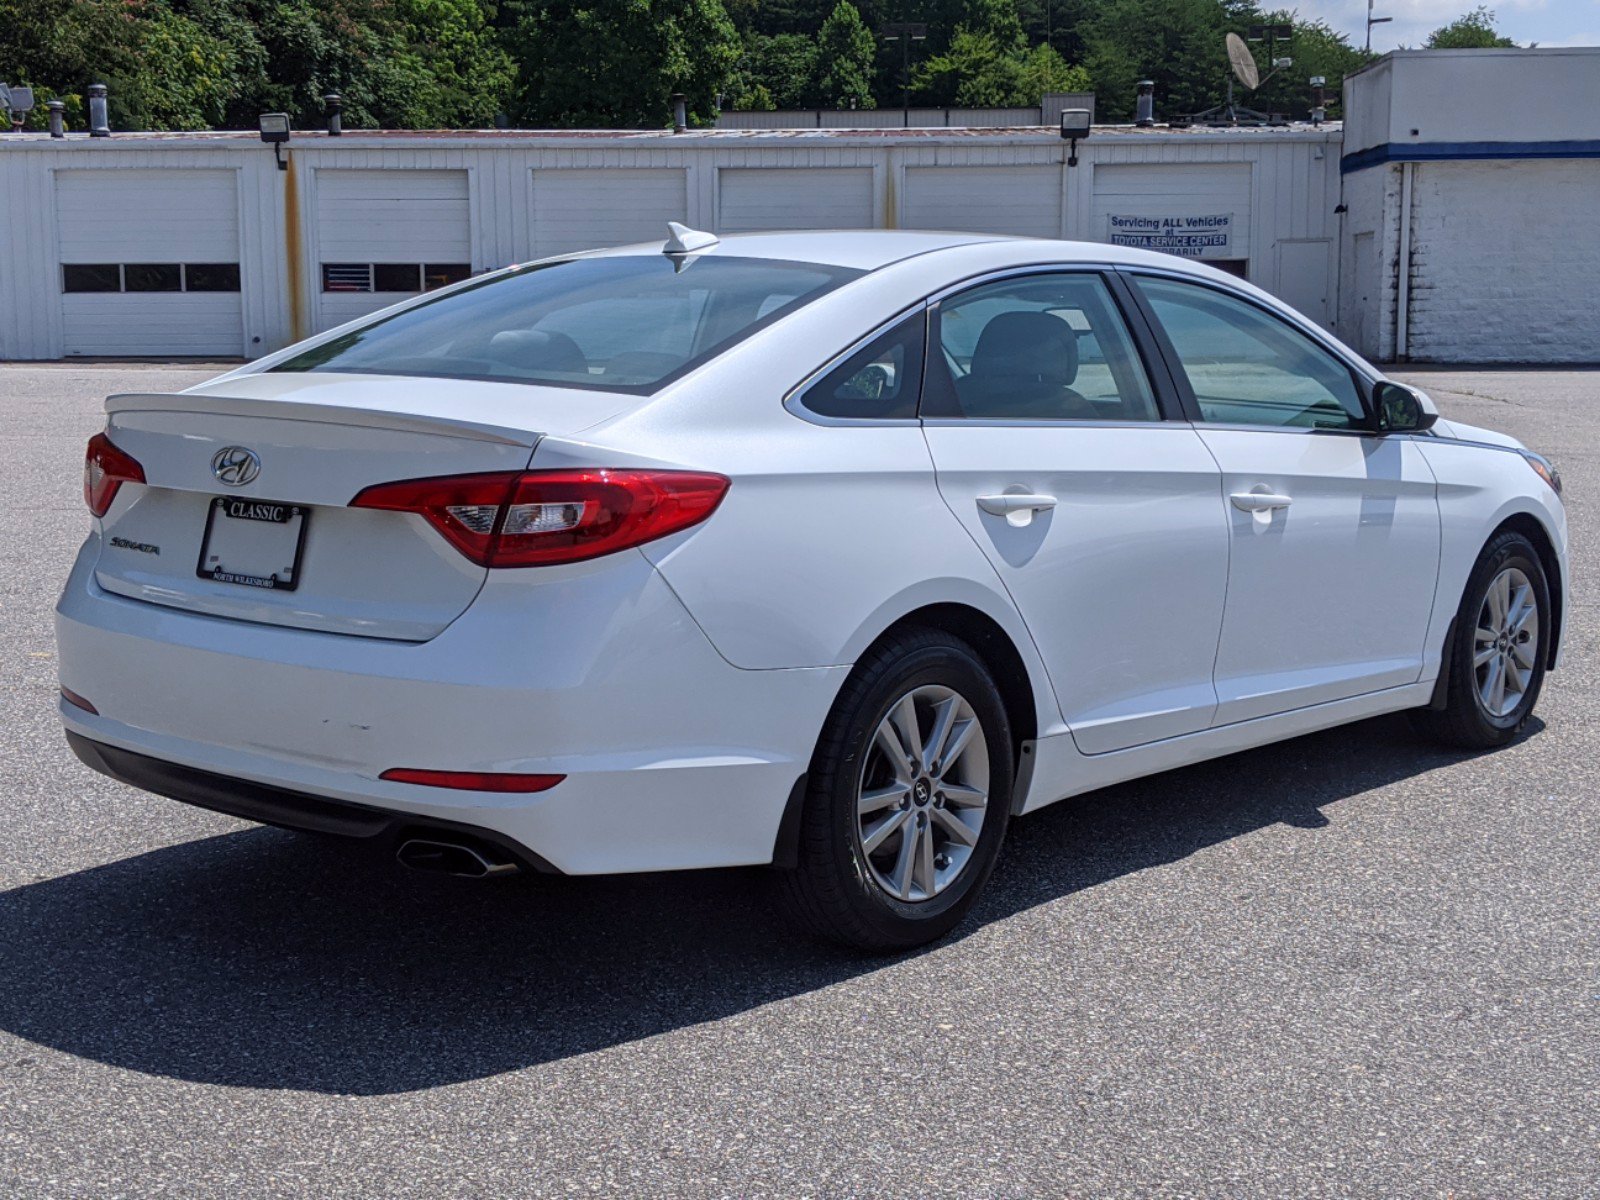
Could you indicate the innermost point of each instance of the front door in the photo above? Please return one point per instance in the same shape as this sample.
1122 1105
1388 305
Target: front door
1100 517
1334 530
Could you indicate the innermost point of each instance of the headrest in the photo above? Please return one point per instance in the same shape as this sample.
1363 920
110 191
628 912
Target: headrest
537 350
1027 345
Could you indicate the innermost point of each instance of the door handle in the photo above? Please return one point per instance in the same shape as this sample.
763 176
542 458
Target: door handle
1255 502
1012 502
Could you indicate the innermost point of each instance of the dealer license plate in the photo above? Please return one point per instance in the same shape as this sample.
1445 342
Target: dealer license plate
253 543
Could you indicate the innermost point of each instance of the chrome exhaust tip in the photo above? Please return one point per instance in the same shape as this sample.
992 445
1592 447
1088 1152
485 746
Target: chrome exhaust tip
462 859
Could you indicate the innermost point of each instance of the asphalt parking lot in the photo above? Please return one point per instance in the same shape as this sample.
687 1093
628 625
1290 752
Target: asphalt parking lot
1351 964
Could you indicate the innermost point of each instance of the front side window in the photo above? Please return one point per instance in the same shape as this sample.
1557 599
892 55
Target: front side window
1045 347
623 323
880 380
1248 367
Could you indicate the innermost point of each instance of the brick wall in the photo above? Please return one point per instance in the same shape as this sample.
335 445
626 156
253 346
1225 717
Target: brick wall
1505 261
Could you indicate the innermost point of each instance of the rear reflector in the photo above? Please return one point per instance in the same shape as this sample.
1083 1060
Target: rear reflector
472 781
105 469
535 518
77 701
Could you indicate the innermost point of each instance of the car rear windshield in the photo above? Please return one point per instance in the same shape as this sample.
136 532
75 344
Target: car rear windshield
628 323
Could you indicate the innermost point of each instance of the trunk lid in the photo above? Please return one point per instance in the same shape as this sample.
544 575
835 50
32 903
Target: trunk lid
282 546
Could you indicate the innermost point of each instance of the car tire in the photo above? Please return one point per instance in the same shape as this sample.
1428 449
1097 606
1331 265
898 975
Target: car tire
1492 626
893 851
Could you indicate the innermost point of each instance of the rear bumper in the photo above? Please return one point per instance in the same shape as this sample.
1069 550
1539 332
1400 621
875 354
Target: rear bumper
672 758
278 806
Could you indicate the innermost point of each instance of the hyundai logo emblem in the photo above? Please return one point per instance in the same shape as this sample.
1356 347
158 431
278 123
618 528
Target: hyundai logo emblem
235 466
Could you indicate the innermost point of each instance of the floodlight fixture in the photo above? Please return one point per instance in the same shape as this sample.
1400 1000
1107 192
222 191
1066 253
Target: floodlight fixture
1075 123
275 132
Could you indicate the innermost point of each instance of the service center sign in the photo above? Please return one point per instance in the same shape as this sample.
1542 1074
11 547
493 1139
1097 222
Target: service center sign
1191 237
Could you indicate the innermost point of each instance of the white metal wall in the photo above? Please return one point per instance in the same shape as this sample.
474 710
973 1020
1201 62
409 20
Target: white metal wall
493 201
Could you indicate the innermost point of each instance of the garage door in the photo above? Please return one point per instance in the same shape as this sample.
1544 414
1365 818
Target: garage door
1197 210
582 208
384 235
1024 201
756 198
149 262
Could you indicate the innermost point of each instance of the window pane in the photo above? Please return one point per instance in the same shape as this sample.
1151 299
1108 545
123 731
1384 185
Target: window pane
346 277
396 277
152 277
1247 367
438 275
99 277
211 277
880 380
621 323
1037 348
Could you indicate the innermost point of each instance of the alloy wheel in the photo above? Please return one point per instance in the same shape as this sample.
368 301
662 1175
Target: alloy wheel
923 793
1506 642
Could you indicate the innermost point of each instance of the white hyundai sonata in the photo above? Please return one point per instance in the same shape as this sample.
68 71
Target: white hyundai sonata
827 551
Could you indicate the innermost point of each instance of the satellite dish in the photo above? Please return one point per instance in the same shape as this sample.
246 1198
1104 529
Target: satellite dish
1243 62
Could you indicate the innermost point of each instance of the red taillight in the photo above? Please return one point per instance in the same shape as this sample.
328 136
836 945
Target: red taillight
472 781
534 518
105 469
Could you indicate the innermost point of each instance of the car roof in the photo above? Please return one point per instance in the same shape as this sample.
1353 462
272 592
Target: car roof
873 249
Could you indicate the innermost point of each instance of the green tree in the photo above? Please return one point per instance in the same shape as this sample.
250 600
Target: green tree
617 62
1044 70
841 75
1470 31
1178 44
989 63
774 72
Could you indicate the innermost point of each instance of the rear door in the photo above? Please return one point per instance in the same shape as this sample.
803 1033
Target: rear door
1334 529
1100 516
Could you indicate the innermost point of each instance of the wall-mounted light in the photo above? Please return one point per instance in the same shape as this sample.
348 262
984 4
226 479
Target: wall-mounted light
275 132
1075 123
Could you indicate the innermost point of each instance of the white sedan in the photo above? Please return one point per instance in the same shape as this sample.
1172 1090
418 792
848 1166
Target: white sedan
827 551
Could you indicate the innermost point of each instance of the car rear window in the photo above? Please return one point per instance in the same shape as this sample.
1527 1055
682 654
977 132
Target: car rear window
629 323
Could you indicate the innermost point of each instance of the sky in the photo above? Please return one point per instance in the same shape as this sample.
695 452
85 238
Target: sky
1548 22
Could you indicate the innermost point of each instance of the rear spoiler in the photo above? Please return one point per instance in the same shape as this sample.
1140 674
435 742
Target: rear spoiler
323 414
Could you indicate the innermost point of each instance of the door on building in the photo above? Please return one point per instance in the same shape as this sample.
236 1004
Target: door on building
1303 278
384 235
751 199
149 262
1024 201
1099 516
1333 530
586 208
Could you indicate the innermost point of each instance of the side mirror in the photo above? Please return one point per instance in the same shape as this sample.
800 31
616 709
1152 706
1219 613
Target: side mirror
1402 409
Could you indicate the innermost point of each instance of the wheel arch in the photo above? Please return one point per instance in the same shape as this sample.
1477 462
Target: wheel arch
1018 691
1530 527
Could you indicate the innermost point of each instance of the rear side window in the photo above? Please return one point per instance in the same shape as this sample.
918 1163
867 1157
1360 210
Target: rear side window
1037 347
881 380
625 324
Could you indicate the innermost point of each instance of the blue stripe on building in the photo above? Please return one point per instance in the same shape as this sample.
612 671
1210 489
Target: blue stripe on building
1375 156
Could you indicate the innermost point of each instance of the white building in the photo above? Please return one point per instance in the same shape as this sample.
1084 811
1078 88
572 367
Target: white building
1479 171
197 244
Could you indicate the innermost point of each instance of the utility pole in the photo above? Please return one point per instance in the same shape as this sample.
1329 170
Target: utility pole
905 32
1371 21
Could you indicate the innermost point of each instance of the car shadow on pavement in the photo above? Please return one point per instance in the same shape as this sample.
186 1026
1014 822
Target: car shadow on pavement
265 959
